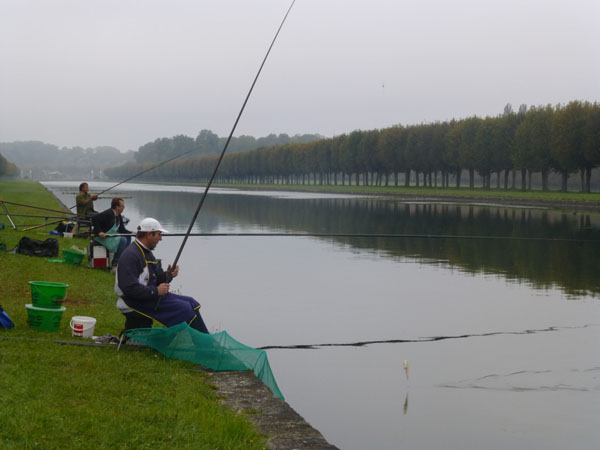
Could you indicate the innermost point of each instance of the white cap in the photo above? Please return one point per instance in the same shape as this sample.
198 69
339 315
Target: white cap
150 224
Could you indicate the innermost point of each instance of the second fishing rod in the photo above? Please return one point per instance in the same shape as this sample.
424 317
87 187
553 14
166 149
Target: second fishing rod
216 168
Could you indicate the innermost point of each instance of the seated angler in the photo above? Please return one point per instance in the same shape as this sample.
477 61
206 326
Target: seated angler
143 286
110 221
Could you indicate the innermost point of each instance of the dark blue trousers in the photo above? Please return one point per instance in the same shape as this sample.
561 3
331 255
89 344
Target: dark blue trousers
172 310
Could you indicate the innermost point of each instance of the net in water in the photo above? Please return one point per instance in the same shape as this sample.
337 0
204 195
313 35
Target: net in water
218 351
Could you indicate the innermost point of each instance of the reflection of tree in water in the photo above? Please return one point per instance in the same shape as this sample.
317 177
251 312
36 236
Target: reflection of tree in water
573 266
177 208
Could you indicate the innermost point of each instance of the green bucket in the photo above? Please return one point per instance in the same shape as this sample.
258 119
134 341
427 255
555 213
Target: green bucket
47 294
72 257
44 319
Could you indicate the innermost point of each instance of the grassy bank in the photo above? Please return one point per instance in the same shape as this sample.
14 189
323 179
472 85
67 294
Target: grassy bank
62 396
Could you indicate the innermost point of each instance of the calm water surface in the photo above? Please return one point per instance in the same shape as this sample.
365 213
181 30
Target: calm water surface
500 335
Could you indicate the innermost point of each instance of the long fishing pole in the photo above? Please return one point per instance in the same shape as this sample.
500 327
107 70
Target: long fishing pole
375 235
34 227
67 213
38 216
143 172
214 172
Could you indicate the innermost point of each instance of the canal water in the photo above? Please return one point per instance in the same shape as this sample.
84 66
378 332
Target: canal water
478 330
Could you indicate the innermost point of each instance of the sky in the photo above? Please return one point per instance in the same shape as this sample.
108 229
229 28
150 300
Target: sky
123 73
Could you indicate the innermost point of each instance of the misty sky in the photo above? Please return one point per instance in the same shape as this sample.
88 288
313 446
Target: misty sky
125 72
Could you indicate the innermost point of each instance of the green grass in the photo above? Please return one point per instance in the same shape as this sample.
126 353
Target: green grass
61 396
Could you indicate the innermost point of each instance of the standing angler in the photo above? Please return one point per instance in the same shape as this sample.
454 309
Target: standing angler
85 202
140 282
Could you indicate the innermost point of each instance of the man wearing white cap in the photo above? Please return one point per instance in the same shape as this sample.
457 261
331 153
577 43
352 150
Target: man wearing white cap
140 282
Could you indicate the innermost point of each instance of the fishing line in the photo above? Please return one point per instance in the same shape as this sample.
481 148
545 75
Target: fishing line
214 172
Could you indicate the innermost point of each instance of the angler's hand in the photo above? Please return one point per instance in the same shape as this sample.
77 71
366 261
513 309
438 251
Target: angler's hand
163 288
174 272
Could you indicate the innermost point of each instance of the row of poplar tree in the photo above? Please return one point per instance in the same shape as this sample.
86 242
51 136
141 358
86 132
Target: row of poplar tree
564 139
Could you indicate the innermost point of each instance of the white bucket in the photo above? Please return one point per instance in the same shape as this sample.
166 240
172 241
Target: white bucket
83 326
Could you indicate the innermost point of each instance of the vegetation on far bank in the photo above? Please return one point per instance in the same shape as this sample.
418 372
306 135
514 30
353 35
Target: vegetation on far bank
504 151
37 159
62 396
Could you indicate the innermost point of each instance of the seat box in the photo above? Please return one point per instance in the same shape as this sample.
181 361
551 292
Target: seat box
100 257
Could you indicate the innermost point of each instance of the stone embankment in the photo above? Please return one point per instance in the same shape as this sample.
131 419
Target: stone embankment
284 427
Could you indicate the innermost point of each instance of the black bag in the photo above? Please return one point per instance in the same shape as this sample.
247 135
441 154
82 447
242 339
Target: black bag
65 226
33 247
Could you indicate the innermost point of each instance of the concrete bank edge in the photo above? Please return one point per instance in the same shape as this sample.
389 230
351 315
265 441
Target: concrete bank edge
284 428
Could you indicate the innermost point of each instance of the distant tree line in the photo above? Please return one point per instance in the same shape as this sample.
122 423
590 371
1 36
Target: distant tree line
8 169
39 160
208 143
539 140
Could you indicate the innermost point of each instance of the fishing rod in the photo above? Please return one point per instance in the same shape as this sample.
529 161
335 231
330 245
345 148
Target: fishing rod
34 227
67 213
37 224
39 216
143 172
372 235
214 172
